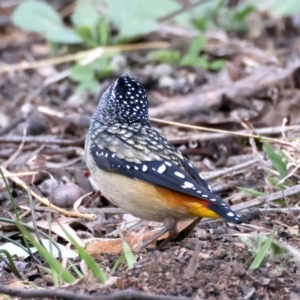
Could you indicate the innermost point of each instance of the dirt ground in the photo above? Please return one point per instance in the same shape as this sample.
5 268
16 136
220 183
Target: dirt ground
260 85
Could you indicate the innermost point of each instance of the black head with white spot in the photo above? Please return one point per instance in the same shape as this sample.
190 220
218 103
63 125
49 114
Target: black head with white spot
124 102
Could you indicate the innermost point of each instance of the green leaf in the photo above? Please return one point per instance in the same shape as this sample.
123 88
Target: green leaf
273 180
217 64
138 17
85 15
82 73
165 56
196 46
262 252
87 36
64 274
63 35
240 15
195 62
103 66
90 85
42 18
201 24
285 8
192 58
276 159
103 33
251 192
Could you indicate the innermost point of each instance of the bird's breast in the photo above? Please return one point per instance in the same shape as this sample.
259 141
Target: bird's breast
137 197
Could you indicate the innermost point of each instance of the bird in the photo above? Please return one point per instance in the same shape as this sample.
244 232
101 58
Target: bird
139 170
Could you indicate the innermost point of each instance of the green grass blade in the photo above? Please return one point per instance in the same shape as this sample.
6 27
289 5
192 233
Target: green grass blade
117 263
262 252
251 192
91 263
276 160
128 253
10 263
273 180
52 273
10 195
55 265
75 269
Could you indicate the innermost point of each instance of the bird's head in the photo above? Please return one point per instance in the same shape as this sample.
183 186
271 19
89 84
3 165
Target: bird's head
123 102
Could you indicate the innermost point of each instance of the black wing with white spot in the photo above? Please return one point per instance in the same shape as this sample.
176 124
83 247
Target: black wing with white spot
165 174
195 174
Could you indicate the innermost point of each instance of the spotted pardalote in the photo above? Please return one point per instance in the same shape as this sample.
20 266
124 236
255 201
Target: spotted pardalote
137 169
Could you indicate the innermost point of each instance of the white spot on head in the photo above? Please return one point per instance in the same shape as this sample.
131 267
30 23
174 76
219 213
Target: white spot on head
230 214
212 199
136 168
128 167
113 155
168 163
161 169
144 168
106 154
199 192
205 196
179 174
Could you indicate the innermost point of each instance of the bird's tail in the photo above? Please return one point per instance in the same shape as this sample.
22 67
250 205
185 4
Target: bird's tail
207 209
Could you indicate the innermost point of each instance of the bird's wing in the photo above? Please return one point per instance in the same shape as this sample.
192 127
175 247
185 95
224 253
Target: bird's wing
167 174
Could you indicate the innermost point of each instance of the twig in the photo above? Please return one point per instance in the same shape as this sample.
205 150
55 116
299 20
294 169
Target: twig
241 133
17 152
193 264
214 174
238 159
262 200
41 140
253 203
180 11
64 294
95 53
210 136
244 88
13 124
280 209
45 201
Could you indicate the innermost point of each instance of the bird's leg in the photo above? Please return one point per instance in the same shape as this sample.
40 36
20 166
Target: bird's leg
184 233
170 226
172 230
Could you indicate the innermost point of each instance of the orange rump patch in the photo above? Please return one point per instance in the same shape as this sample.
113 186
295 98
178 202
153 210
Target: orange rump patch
195 206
